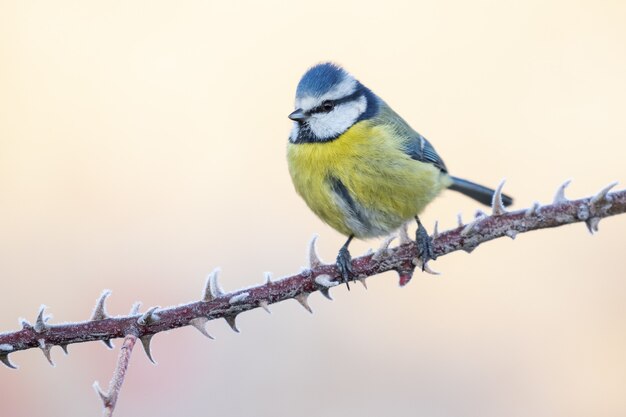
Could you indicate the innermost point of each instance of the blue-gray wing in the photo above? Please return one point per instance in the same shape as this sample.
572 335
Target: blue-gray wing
421 150
415 145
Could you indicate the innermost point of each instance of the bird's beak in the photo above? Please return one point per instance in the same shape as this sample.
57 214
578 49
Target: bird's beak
298 116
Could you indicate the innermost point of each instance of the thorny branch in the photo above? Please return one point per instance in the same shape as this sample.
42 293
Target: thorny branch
215 303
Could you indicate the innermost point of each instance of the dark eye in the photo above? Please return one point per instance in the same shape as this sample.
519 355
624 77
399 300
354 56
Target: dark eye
327 105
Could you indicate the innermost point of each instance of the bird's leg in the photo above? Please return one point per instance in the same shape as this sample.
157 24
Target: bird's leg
424 244
344 262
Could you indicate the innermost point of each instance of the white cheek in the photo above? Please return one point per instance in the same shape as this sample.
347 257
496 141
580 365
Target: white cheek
329 125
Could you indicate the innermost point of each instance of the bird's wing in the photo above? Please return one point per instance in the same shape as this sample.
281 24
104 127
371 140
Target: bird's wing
415 145
421 150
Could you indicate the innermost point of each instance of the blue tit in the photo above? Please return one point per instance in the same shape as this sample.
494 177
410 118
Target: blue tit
359 166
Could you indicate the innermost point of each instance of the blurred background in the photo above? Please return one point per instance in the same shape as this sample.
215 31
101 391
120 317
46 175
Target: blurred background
142 144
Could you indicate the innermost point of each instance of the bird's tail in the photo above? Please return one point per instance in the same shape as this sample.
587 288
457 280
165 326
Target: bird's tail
477 192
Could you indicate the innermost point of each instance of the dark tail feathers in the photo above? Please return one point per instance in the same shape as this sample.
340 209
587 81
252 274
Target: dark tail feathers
477 192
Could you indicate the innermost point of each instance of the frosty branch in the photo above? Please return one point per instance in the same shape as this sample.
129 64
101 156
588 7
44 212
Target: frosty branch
215 303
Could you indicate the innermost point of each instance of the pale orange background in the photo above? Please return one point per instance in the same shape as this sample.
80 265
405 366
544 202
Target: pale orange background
142 144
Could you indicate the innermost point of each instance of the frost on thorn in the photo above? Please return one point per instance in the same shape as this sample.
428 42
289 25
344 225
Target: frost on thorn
268 278
600 198
106 400
532 210
4 358
45 348
459 220
325 281
265 306
592 224
383 249
435 234
145 342
403 234
418 263
148 317
497 207
212 289
303 299
238 298
512 233
40 322
232 322
559 197
479 213
199 323
314 259
99 311
24 323
134 310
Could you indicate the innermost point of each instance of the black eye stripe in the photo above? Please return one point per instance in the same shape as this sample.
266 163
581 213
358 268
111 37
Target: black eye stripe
350 97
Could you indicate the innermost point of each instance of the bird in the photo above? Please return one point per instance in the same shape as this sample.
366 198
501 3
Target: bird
360 167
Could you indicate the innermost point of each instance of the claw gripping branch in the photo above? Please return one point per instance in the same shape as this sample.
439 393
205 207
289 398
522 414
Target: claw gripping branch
216 303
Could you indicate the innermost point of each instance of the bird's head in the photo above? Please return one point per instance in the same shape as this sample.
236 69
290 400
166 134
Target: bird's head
328 102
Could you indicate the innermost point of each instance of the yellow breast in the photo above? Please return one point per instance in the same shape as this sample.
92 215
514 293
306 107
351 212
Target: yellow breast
382 186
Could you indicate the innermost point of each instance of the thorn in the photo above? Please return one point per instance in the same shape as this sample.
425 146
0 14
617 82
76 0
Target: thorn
24 323
199 323
99 312
148 317
459 220
326 293
426 268
232 322
46 350
325 281
268 278
511 233
369 252
404 234
469 227
559 197
314 259
265 306
212 289
134 310
108 343
4 358
303 299
601 196
592 224
479 213
383 249
104 397
40 322
532 210
496 202
435 234
362 281
145 342
405 277
238 298
64 347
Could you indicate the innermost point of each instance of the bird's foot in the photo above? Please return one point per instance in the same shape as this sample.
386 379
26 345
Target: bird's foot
424 244
344 265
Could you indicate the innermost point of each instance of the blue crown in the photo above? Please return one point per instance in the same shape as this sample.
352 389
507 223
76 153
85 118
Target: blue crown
320 79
